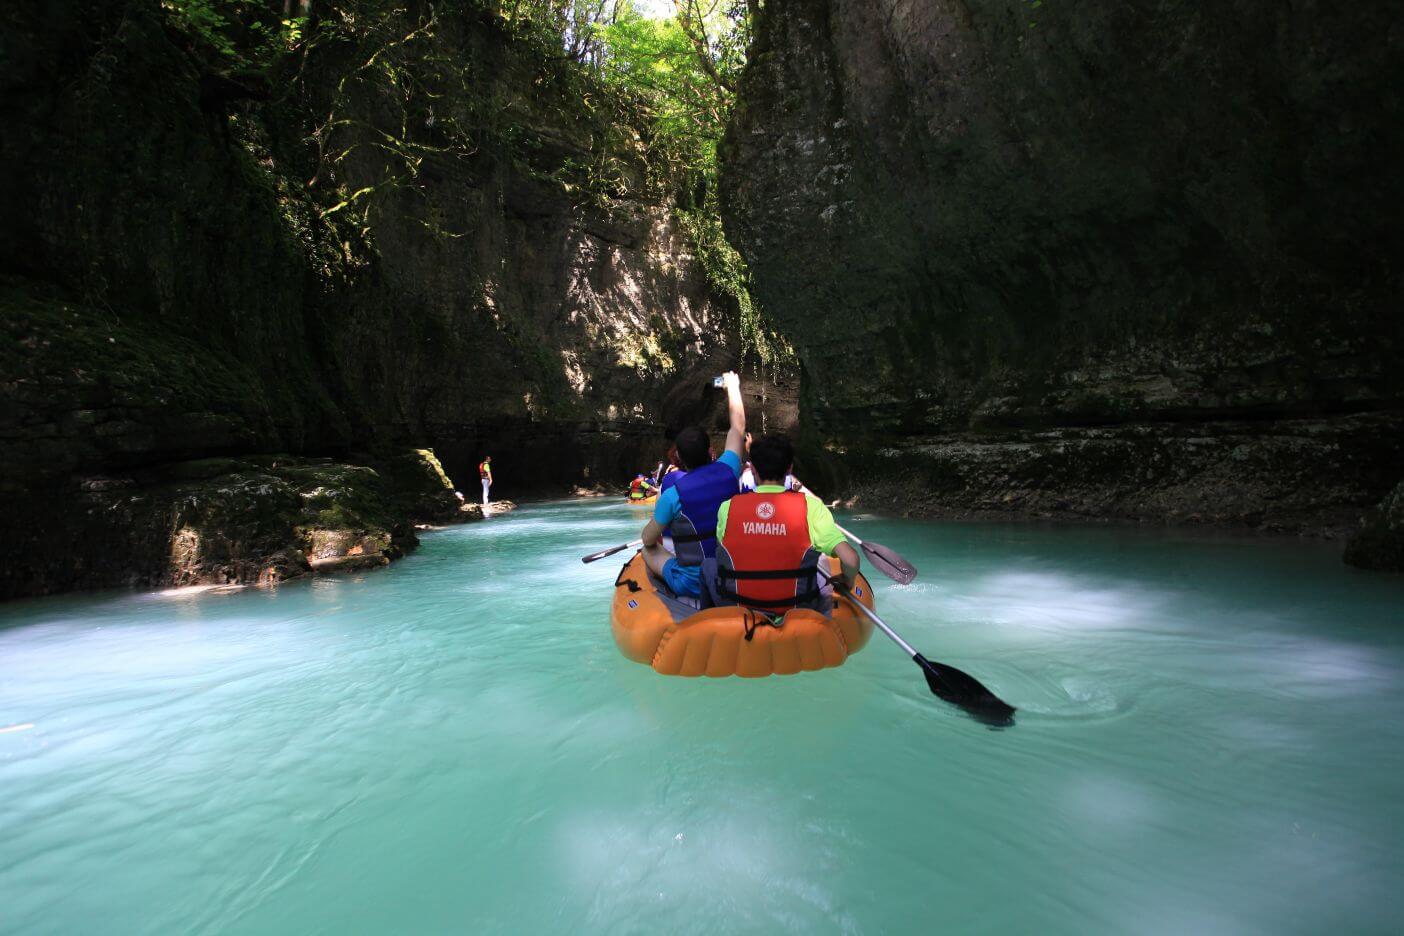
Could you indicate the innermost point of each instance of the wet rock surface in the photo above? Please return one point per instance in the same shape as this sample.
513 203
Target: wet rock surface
1379 543
1029 257
253 520
471 511
1287 476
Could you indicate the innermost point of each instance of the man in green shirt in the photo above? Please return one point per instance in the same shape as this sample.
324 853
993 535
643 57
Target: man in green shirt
777 532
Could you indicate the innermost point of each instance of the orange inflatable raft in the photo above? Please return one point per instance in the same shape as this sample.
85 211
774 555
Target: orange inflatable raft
648 501
652 626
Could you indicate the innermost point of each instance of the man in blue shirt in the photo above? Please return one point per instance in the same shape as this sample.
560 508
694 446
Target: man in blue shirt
687 511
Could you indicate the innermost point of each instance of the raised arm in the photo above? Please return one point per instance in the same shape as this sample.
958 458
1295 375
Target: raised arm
736 435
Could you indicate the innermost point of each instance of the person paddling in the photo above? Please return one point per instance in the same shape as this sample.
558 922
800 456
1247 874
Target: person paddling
485 473
687 510
641 487
770 540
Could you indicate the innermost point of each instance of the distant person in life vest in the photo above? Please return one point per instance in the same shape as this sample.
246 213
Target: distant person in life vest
770 540
485 472
687 510
641 487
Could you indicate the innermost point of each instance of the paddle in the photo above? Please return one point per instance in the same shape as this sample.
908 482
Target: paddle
611 551
946 682
885 560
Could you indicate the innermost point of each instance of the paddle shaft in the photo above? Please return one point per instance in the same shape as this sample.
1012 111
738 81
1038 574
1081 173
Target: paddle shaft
849 535
871 615
609 552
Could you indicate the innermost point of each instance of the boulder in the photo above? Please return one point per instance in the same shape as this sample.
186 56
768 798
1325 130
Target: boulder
1379 544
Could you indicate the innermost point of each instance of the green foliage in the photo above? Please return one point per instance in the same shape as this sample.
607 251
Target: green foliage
681 75
680 72
239 34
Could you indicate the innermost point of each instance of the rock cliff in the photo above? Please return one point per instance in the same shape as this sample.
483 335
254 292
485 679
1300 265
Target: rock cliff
417 232
1136 261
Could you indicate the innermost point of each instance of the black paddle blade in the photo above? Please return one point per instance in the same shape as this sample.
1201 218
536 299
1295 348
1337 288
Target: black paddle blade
889 563
959 688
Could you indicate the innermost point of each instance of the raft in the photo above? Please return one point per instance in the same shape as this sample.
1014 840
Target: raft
648 501
654 627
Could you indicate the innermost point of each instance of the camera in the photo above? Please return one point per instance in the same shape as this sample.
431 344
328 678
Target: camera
719 381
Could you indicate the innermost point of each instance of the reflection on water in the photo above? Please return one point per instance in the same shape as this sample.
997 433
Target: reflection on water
1210 737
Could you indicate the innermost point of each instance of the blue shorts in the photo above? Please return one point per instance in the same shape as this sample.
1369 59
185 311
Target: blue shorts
683 580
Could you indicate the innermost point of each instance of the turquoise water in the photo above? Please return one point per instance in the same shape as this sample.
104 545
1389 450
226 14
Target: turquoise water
1210 740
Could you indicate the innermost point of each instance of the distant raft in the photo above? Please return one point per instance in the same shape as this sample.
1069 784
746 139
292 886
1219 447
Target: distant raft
652 626
647 501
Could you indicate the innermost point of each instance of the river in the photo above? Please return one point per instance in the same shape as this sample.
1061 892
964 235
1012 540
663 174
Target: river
1210 740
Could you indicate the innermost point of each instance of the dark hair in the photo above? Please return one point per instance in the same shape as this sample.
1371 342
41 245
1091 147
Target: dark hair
772 456
694 448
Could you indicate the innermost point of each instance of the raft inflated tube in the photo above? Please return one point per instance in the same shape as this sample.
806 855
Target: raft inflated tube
650 499
649 629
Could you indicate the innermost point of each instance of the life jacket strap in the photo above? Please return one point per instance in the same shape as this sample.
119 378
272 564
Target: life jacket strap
791 601
801 572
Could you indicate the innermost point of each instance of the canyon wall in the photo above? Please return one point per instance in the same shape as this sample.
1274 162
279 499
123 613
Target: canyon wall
398 238
1131 261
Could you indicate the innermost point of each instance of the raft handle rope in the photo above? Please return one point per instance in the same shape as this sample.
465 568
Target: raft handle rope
620 580
755 619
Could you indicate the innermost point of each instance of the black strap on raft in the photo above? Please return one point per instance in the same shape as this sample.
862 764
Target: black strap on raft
754 619
621 580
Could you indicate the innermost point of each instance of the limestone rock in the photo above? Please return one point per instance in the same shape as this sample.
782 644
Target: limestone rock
256 520
476 511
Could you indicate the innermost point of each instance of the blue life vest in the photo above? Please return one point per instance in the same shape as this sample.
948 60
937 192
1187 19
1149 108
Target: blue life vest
700 492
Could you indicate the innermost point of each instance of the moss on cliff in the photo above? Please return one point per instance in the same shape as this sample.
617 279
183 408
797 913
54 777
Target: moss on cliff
85 385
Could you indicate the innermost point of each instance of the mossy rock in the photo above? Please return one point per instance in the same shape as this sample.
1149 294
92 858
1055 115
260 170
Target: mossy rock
419 487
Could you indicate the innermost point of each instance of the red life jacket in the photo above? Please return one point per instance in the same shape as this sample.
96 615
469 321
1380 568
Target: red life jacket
766 553
484 470
636 485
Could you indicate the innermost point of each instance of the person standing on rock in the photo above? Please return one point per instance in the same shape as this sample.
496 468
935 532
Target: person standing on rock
687 511
485 472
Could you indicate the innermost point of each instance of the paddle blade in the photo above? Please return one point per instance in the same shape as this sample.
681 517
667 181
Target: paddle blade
959 688
889 563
